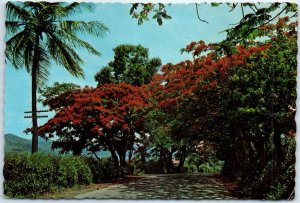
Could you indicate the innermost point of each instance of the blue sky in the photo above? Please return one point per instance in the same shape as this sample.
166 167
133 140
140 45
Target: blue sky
162 41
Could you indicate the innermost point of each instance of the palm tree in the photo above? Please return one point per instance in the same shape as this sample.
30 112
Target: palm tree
41 32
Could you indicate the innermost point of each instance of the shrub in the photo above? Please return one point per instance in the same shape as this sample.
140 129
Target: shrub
72 171
67 172
27 175
85 175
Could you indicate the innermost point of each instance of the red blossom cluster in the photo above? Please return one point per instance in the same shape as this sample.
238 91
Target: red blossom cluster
281 26
191 77
96 110
198 48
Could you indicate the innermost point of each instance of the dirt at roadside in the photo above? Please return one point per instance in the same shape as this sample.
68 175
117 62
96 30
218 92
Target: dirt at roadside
68 193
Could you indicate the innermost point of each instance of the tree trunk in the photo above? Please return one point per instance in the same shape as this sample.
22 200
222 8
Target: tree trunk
35 68
114 155
161 160
130 156
77 150
122 156
182 157
169 164
180 168
112 152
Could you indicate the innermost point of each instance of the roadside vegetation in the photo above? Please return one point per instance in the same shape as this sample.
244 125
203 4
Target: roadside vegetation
31 175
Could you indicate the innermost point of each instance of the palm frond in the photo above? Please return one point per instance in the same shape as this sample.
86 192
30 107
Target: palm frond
95 28
58 39
50 10
70 38
15 48
44 66
28 56
34 5
64 55
13 26
77 8
15 12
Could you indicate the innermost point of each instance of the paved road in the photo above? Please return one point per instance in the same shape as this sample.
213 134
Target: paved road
171 186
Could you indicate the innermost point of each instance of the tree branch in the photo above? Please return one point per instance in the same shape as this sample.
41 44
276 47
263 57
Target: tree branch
272 18
243 11
197 9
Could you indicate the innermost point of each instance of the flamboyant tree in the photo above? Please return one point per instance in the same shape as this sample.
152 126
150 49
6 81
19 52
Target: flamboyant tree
183 95
259 99
97 118
243 102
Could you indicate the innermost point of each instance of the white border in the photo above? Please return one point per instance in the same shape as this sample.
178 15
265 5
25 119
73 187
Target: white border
2 80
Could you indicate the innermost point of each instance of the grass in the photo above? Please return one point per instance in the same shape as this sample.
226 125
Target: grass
69 193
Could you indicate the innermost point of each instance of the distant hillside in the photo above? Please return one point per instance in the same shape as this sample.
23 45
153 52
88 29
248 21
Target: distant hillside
14 143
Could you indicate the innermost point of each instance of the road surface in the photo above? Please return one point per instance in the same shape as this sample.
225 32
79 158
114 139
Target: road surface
171 186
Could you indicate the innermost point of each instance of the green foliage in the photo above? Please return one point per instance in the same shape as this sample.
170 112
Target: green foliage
215 4
267 183
27 175
203 162
131 65
260 99
103 170
140 12
48 93
72 171
211 168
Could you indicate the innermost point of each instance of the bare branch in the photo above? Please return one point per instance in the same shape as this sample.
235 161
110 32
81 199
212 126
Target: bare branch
243 10
197 9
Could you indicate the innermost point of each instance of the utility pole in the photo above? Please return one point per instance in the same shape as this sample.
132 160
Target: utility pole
35 142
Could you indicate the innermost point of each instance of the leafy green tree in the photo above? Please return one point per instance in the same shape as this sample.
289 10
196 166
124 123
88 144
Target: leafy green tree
47 94
261 106
41 31
159 126
242 103
131 65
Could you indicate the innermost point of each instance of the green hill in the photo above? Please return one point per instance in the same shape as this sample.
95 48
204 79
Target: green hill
14 143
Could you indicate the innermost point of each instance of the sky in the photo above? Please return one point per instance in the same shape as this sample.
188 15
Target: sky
162 41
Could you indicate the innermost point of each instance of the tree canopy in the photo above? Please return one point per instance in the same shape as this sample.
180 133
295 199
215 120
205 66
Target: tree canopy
131 65
95 118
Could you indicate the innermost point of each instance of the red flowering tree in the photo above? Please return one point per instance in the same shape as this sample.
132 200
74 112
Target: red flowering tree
187 94
97 118
185 90
243 102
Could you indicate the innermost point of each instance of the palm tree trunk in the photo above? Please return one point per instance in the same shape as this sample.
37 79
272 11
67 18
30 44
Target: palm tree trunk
35 67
